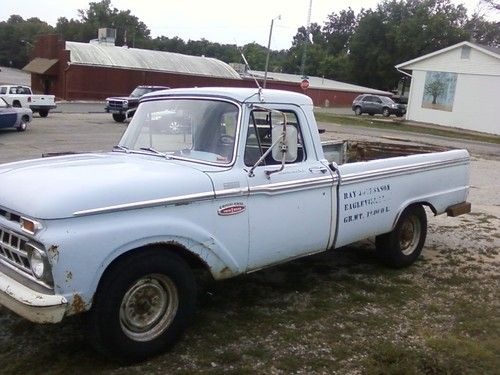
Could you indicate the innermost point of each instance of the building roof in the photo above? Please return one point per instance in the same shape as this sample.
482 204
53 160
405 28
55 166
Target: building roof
133 58
318 83
491 51
40 65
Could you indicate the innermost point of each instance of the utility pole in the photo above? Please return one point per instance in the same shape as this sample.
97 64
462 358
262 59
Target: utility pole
269 48
304 52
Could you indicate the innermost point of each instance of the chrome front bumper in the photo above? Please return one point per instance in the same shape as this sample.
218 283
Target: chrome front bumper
34 306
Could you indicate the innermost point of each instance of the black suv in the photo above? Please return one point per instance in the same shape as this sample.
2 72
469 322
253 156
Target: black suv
123 107
373 104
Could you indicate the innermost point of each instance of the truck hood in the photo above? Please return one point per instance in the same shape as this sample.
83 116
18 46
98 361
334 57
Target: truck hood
58 187
122 98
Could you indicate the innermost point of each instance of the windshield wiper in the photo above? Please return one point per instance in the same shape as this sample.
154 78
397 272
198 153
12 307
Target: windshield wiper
122 148
156 152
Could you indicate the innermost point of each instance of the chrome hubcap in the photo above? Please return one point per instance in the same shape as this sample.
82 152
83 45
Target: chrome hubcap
148 307
410 235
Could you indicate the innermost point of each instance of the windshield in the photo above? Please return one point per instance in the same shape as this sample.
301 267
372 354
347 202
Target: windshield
385 99
140 91
192 129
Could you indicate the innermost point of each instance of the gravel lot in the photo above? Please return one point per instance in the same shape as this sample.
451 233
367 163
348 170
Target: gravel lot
338 312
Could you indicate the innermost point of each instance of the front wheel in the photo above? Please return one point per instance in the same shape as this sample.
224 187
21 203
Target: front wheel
386 112
43 112
357 111
119 117
142 305
401 247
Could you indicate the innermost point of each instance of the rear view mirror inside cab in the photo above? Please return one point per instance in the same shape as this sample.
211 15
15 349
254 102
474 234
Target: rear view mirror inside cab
288 144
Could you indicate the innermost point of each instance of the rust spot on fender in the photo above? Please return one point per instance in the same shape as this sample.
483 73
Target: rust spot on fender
53 252
77 305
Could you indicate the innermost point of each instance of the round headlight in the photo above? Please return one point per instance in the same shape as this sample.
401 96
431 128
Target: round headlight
37 263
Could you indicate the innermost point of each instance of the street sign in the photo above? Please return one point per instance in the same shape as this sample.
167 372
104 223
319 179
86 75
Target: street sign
304 84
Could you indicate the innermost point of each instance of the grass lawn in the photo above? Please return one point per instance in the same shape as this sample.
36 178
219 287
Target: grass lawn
401 125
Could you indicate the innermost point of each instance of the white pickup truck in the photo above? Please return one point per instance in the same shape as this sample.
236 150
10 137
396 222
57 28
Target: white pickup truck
242 186
22 96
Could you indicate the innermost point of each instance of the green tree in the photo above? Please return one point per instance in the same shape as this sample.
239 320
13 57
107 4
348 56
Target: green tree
129 29
17 37
338 31
312 40
401 30
482 31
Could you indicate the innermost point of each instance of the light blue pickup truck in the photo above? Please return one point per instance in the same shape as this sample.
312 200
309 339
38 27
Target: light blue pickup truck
242 184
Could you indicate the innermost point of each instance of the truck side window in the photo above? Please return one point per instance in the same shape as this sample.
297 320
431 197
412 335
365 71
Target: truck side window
259 137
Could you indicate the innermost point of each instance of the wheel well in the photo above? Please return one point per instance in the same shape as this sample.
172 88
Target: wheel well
426 204
192 260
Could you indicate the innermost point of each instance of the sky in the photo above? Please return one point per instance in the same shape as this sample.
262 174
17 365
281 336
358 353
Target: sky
222 21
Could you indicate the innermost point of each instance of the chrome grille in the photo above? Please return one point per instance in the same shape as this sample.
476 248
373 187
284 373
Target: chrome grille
12 250
10 216
115 104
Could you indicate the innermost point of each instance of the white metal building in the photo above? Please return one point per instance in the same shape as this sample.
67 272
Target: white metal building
457 86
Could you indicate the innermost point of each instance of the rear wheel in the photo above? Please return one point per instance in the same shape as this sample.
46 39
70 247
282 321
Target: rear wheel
401 247
43 112
358 111
119 117
143 305
386 112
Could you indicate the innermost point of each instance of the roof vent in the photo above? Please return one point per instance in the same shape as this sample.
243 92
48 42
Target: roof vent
105 36
465 52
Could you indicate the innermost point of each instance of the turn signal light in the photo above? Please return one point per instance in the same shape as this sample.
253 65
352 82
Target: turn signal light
29 226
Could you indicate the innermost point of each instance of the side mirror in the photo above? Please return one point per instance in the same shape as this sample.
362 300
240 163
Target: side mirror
289 145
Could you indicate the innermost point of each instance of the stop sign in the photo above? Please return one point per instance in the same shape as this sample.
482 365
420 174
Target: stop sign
304 84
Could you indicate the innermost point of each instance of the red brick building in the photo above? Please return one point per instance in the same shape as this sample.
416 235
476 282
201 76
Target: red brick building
94 71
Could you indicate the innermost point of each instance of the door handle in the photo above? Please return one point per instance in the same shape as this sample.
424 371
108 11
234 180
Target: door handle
318 169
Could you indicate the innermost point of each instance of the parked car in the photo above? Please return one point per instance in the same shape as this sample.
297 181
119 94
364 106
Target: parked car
22 96
377 104
124 107
12 117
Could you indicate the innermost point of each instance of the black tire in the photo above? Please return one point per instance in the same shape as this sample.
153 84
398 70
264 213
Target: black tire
24 124
358 111
43 112
142 305
399 115
401 247
386 112
119 117
16 104
371 114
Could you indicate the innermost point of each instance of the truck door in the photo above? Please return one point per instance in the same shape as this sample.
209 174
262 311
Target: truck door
289 211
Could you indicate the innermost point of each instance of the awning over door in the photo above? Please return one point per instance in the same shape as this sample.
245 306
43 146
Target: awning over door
40 65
